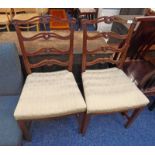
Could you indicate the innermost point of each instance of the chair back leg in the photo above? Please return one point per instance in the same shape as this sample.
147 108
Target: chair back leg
133 117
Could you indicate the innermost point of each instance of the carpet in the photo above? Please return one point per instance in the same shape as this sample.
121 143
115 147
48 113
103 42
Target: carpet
103 130
60 13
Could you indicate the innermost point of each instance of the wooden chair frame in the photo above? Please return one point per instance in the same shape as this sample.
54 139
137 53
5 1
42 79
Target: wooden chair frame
6 12
49 62
118 60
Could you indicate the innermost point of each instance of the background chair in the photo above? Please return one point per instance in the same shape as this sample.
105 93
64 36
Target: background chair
52 94
87 13
25 14
11 81
140 68
109 90
5 18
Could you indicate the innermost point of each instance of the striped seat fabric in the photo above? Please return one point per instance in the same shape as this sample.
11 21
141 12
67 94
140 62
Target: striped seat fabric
47 95
110 90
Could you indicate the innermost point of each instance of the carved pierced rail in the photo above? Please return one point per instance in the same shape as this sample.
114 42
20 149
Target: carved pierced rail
117 51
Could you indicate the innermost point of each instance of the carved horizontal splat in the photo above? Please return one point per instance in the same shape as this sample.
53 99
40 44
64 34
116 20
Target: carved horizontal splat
49 62
101 60
105 49
46 36
107 35
105 19
47 51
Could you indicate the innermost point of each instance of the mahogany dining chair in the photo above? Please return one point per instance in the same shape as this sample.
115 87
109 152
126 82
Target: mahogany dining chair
47 94
109 90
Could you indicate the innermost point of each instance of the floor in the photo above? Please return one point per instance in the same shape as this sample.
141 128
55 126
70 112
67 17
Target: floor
104 130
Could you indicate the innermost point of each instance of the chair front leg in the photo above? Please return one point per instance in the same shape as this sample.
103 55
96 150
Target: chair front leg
25 131
133 117
84 123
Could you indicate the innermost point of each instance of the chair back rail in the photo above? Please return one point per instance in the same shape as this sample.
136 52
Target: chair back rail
46 36
118 52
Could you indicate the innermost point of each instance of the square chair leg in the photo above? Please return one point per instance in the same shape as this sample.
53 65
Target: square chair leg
84 124
133 116
24 130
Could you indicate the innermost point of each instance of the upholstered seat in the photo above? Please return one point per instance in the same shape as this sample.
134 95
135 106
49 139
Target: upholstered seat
47 95
110 90
52 94
25 16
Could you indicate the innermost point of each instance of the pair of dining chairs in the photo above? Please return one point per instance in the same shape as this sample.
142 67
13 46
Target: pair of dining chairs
56 94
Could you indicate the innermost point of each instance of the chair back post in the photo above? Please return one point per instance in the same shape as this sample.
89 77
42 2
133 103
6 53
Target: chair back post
127 43
71 54
84 53
22 47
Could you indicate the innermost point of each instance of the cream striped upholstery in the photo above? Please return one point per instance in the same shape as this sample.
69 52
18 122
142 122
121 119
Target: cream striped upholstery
47 95
110 90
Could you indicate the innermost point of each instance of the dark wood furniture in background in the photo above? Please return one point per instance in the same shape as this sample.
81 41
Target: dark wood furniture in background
141 53
140 66
149 12
111 53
